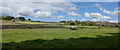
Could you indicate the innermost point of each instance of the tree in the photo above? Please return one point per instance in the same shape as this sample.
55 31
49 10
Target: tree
68 21
63 22
3 18
29 19
13 21
83 23
116 25
90 24
7 18
72 23
21 18
76 21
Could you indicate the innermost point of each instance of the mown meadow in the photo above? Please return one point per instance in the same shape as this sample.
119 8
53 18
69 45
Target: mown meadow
104 37
84 37
17 35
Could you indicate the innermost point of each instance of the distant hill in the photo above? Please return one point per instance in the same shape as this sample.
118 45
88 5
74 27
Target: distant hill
8 22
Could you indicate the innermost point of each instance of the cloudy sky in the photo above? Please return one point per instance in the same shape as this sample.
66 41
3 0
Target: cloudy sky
60 10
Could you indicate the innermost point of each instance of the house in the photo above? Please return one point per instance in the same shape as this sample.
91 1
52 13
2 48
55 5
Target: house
99 23
106 23
13 20
114 24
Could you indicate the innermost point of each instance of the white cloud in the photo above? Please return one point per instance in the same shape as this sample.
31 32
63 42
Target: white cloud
98 5
115 12
97 16
43 13
73 8
72 19
83 19
5 11
109 12
33 1
60 0
26 8
113 21
95 20
54 11
94 0
60 17
73 14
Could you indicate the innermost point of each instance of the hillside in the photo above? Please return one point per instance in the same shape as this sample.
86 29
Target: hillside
7 22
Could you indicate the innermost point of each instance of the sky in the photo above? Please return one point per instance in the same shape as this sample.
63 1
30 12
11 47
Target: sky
58 11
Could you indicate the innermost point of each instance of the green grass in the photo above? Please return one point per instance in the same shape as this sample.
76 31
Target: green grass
55 24
8 22
81 26
85 42
18 35
60 37
32 23
25 22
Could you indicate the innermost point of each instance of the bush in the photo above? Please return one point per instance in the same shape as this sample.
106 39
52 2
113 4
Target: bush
29 19
90 24
22 18
84 23
116 25
72 23
7 18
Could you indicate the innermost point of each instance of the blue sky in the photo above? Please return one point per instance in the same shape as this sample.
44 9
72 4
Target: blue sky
87 7
57 11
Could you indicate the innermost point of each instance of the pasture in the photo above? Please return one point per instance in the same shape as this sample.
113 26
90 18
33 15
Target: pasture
17 35
60 38
7 22
26 22
105 37
55 24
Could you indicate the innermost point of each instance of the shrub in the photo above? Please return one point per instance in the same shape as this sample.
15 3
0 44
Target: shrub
21 18
7 18
29 19
116 25
90 24
72 23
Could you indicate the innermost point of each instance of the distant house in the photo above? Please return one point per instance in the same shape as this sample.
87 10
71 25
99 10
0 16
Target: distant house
114 24
62 21
94 23
15 20
68 22
106 23
99 23
88 21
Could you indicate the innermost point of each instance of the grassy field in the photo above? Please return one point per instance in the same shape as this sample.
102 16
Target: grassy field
8 22
26 22
56 24
60 38
105 37
81 26
17 35
85 42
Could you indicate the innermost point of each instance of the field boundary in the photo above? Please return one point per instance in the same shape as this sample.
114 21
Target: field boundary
36 27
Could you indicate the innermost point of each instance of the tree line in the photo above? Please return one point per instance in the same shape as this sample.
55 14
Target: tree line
12 17
77 23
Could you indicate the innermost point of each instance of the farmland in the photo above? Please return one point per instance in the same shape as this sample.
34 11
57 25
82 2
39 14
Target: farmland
49 34
39 22
59 37
26 24
60 24
7 22
45 38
